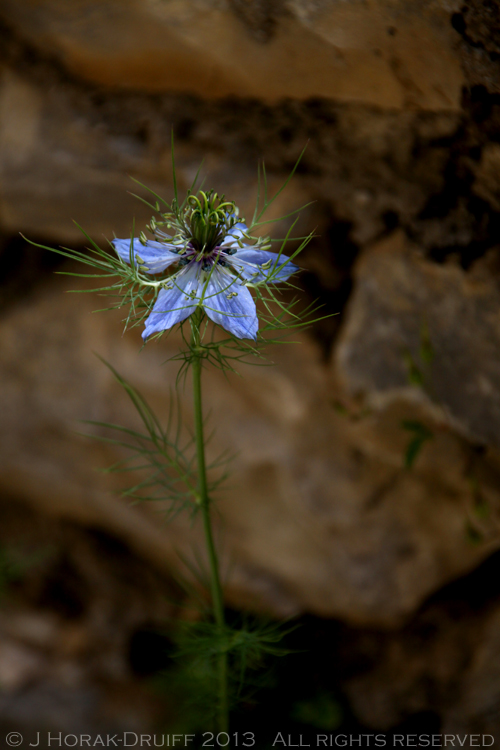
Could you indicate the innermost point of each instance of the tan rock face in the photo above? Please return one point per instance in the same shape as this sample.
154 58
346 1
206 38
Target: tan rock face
487 183
387 54
53 169
399 298
375 122
68 629
326 519
443 664
318 514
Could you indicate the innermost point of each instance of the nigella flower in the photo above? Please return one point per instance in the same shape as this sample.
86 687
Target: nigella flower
205 263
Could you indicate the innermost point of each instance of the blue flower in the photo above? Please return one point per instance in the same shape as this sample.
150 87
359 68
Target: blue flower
216 278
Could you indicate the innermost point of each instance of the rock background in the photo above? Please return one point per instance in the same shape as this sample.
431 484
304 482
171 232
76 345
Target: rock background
399 104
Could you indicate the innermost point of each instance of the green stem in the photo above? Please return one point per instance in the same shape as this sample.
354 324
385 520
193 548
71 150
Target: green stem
204 500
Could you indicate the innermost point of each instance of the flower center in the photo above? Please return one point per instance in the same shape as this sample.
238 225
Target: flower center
200 224
207 259
209 219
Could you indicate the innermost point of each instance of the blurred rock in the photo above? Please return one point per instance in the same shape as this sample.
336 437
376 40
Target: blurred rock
375 91
67 154
478 704
62 169
477 24
403 303
441 666
395 100
54 165
319 513
387 55
18 666
73 601
487 184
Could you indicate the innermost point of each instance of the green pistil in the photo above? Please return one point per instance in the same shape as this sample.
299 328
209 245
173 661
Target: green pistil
210 218
204 222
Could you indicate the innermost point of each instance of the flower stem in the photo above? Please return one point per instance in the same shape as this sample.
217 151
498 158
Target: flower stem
204 500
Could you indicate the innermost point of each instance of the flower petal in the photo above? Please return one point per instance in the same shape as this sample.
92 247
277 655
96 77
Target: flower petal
157 256
235 234
230 305
249 261
174 304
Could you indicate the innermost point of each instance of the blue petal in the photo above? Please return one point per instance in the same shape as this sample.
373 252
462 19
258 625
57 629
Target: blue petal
175 304
237 314
248 262
157 256
235 234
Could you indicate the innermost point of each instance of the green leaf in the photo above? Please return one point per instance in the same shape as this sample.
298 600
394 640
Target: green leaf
414 373
163 454
322 712
268 202
339 407
421 434
426 349
474 535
